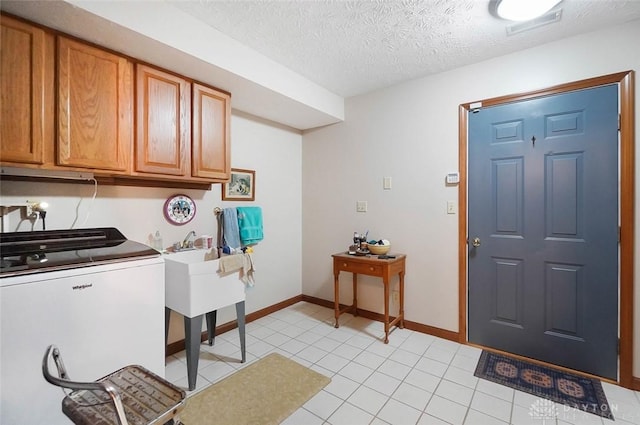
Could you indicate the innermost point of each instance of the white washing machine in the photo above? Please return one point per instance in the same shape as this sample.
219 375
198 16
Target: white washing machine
96 295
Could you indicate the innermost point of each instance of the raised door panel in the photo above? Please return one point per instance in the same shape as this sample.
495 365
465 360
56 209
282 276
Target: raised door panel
26 64
163 133
94 107
211 156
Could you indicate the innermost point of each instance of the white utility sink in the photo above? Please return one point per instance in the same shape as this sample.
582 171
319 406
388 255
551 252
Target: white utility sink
193 285
194 289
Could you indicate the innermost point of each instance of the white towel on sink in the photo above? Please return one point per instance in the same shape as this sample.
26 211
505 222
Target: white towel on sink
246 274
238 262
230 263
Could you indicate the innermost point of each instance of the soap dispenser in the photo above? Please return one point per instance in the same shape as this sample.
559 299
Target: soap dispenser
157 241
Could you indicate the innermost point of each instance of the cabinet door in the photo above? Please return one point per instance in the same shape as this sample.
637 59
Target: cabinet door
163 134
94 107
26 63
211 156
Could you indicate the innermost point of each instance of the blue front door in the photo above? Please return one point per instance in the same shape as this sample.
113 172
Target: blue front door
543 216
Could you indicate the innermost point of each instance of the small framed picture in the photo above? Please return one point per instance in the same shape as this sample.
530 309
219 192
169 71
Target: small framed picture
241 186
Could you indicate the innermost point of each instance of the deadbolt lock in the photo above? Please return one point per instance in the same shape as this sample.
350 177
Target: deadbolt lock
476 242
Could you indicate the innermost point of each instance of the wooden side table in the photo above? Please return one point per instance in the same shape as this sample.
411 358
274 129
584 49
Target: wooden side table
370 266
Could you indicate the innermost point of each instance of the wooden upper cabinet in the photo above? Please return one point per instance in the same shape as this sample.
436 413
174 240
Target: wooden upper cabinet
94 108
26 79
163 125
67 104
211 156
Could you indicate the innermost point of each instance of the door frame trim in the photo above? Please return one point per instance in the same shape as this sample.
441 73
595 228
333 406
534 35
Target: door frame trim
627 190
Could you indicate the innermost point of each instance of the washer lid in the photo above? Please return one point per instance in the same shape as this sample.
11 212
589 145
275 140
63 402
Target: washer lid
40 251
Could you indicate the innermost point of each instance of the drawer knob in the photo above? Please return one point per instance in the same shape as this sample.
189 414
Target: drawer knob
344 264
371 268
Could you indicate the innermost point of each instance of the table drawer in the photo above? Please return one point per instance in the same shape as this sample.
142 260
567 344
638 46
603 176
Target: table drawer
359 268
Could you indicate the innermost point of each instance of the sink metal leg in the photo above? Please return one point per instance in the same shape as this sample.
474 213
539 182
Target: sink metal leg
211 325
167 318
241 326
192 333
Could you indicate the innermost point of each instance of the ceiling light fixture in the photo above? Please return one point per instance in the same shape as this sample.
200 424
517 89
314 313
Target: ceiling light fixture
548 18
524 10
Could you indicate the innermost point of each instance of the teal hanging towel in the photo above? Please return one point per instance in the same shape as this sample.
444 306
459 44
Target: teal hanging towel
250 225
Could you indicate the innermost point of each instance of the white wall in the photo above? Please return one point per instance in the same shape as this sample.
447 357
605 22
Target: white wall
273 152
410 133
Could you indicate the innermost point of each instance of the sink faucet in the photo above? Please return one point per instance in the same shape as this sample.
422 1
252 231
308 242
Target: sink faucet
186 243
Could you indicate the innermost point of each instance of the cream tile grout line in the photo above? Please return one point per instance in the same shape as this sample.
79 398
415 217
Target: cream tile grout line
305 333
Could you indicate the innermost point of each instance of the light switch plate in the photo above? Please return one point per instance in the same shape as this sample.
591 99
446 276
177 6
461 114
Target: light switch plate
453 178
386 183
361 206
452 207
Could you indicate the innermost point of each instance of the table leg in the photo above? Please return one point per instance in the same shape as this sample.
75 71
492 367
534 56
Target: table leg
355 294
336 297
386 310
402 300
192 332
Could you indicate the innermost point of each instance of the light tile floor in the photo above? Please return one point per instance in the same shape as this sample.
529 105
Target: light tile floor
416 379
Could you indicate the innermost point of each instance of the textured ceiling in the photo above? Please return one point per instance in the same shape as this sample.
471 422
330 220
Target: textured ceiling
354 47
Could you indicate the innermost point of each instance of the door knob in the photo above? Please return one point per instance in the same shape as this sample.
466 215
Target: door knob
476 242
